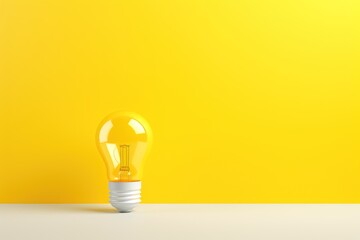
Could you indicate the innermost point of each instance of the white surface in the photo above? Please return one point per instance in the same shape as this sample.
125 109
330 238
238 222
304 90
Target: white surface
180 221
125 196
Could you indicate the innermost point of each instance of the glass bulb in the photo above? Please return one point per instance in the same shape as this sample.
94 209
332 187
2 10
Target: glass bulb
124 140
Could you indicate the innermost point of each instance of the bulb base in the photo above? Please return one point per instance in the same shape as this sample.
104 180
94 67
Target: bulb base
124 196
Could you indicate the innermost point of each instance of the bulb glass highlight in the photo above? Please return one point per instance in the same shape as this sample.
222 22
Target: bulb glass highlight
124 139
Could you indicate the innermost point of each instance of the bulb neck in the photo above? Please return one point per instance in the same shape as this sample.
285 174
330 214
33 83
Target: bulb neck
124 196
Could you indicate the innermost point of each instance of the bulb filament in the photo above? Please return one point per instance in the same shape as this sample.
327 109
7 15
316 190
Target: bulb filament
124 163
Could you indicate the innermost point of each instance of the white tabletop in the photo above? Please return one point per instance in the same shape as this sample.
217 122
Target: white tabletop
180 221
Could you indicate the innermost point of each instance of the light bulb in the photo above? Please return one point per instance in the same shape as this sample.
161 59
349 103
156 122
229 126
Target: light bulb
123 140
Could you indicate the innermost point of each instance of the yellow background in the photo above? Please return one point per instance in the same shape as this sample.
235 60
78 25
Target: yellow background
249 100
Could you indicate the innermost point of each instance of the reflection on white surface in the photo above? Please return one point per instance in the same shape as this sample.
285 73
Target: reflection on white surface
181 221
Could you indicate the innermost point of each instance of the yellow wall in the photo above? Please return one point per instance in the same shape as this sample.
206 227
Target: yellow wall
249 100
